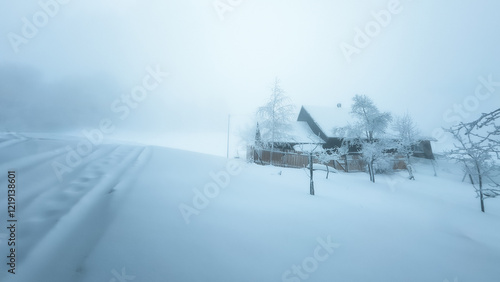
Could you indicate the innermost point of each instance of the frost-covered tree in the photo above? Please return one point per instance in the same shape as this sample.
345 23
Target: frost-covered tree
372 123
258 144
408 133
276 117
377 155
487 129
343 151
325 156
477 148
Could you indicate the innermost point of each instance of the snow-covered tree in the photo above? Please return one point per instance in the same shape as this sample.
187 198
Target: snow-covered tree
343 151
377 155
477 148
258 144
408 133
325 156
372 123
276 117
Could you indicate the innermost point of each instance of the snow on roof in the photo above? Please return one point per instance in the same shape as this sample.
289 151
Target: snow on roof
302 133
299 132
330 118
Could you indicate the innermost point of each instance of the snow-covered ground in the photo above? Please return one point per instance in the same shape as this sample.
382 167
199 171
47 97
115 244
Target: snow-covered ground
128 212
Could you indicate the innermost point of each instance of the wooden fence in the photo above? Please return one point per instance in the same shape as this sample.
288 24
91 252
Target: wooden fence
284 159
350 163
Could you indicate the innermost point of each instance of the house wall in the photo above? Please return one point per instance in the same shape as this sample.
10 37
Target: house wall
334 143
424 150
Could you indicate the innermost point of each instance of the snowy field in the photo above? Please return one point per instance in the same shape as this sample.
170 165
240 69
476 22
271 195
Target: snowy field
127 212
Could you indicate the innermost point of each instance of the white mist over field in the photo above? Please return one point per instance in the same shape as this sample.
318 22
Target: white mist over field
63 74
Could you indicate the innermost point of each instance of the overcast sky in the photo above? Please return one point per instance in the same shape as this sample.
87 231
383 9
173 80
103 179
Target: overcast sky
68 71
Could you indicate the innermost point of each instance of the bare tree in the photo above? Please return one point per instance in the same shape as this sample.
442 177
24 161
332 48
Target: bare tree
487 128
477 147
407 139
276 117
372 124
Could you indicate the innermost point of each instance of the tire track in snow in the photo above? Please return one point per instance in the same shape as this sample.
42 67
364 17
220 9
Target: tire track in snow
47 187
11 139
45 206
60 253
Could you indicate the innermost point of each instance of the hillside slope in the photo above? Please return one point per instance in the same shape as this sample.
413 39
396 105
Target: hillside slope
134 213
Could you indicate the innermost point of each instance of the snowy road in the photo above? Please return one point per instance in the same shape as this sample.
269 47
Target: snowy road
61 221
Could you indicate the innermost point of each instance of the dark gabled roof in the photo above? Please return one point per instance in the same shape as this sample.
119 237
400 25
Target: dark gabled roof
324 120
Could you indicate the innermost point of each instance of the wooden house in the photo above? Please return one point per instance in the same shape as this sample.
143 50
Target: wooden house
327 123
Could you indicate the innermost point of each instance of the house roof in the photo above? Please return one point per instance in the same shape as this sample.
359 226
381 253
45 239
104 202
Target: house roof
329 118
302 133
299 132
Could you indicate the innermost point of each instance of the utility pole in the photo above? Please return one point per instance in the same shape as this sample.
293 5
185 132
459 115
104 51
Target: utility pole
228 124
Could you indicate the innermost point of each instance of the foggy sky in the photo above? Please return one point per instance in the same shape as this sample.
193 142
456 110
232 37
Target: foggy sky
427 60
